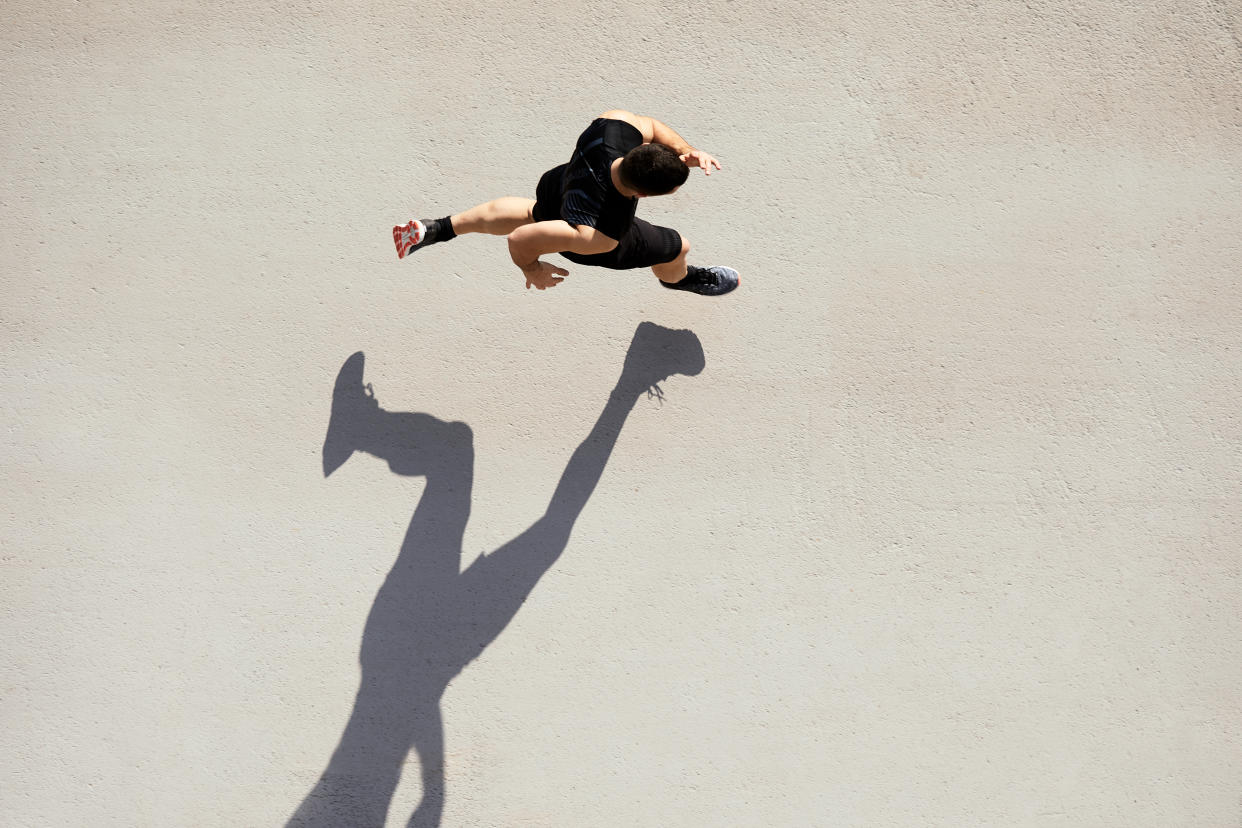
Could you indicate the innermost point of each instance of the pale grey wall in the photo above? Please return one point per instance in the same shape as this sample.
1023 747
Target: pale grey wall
946 532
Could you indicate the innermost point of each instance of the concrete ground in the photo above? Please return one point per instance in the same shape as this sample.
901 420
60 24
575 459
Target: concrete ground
945 532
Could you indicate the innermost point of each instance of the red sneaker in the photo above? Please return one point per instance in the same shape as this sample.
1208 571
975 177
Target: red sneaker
408 237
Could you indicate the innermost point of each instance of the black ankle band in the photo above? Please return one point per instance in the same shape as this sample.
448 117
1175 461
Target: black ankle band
445 230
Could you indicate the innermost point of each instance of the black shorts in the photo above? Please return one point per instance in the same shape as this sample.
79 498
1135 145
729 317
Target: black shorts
644 244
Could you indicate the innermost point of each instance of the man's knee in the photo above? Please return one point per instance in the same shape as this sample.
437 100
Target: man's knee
681 256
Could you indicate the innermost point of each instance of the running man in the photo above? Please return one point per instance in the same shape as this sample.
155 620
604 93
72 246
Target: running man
584 210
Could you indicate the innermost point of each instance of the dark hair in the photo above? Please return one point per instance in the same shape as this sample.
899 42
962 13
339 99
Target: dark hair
653 169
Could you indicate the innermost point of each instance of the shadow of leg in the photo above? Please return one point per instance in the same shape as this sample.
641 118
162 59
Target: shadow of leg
357 786
403 656
429 745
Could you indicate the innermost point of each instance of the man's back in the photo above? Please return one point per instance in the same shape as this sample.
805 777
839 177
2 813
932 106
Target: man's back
588 195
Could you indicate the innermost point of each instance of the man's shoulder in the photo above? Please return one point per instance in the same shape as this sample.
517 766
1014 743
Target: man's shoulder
621 133
640 123
610 134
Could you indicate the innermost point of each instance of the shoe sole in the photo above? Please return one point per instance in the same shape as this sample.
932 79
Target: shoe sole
404 245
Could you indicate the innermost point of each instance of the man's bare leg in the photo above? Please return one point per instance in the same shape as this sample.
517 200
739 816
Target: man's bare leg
499 217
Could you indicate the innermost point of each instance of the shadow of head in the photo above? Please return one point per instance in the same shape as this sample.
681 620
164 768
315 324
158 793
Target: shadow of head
657 353
412 443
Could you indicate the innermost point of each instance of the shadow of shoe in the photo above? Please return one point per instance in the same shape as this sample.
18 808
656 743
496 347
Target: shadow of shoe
350 404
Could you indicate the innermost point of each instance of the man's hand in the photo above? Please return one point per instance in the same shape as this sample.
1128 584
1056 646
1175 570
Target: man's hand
698 158
543 275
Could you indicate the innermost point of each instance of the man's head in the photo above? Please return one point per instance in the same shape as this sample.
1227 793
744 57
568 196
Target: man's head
653 169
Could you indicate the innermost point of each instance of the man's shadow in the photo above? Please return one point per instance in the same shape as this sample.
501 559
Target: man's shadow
430 619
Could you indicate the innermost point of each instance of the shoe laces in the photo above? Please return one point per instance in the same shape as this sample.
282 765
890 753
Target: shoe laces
706 276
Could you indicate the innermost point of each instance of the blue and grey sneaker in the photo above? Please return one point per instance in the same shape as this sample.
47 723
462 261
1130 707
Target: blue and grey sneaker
707 281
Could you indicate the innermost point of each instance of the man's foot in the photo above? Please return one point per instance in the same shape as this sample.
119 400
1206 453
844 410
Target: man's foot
410 237
707 281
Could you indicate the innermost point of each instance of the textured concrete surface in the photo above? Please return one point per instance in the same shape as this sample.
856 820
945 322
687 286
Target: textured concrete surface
946 531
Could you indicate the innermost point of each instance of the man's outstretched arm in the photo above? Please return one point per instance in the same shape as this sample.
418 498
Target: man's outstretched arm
658 132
